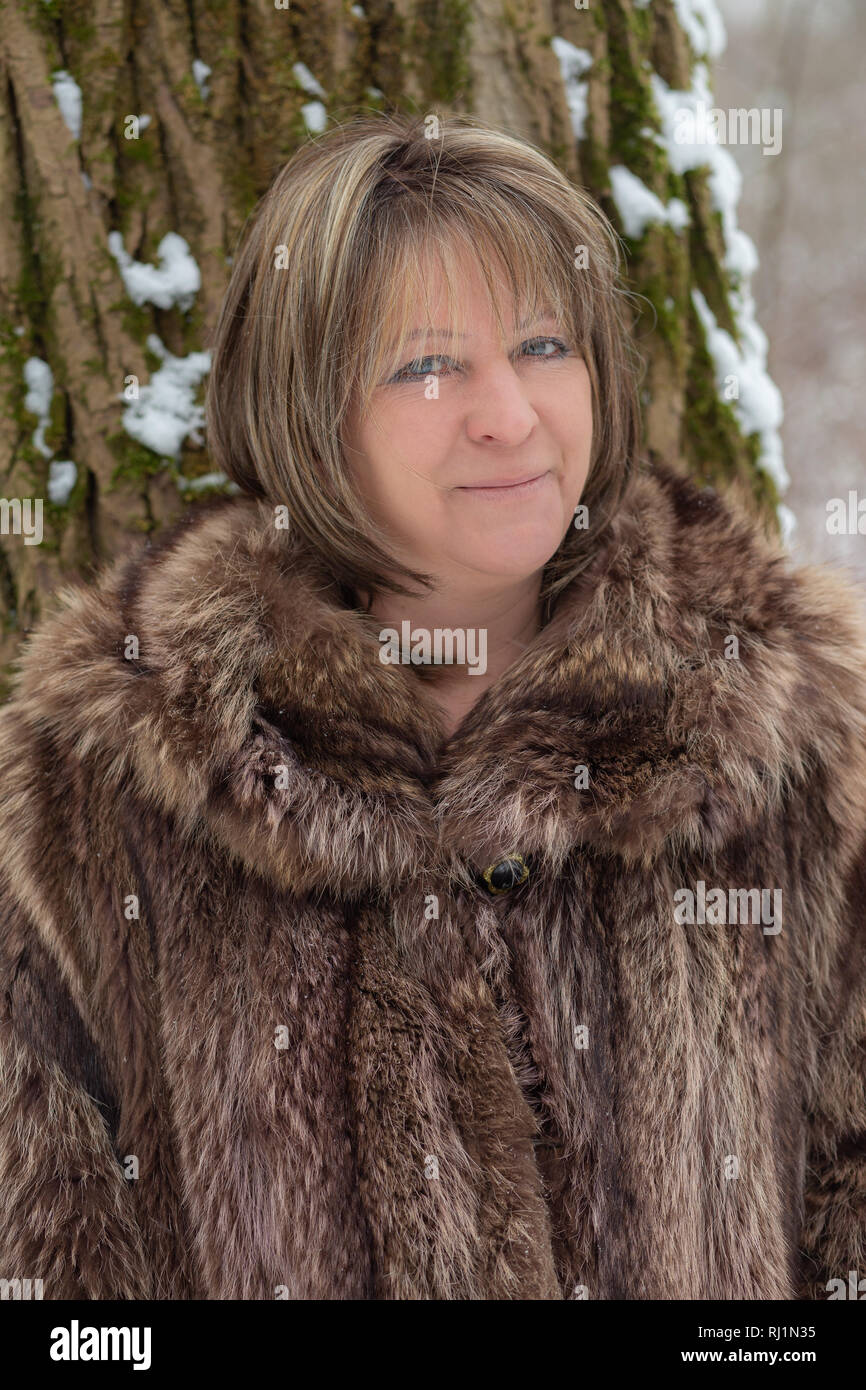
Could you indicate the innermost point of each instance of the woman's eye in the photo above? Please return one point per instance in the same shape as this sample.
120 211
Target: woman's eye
417 370
557 343
423 367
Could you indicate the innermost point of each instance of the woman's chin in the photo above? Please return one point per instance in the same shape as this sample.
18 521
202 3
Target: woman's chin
511 555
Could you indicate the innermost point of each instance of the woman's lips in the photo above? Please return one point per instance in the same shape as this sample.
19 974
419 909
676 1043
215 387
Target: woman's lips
504 490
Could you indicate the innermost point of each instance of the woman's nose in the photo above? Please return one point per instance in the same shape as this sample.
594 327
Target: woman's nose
499 407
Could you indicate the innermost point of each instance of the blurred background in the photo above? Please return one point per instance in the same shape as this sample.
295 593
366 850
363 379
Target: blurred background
805 211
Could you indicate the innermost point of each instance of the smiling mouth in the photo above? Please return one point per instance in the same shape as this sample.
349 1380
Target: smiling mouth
518 485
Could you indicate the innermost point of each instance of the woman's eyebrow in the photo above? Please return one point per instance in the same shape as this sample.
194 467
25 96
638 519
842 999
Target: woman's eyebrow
445 333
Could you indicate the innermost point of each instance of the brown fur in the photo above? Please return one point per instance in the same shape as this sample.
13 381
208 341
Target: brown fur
559 1168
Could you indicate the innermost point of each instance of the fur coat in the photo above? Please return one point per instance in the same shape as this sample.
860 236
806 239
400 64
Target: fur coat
266 1031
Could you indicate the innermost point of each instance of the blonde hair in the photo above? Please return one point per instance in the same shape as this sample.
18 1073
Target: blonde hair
351 217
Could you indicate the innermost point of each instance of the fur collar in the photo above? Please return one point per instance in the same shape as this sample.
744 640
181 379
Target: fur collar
247 662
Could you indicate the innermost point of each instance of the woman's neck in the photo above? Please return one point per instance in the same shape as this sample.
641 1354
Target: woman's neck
494 628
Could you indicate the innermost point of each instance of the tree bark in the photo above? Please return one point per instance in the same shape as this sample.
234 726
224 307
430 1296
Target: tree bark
201 162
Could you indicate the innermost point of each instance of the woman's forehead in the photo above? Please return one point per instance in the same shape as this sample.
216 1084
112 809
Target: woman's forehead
428 300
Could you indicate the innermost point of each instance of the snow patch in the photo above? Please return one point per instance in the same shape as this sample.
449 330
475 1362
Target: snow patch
67 94
40 390
201 72
314 116
638 206
759 405
305 79
176 280
166 412
703 25
724 178
574 63
62 474
204 481
787 523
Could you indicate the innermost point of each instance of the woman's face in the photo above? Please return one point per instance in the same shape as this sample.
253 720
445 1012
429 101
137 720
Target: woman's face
426 463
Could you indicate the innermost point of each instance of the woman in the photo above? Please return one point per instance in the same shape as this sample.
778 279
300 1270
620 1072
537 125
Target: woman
437 872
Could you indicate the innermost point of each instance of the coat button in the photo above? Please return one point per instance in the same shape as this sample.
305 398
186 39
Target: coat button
506 874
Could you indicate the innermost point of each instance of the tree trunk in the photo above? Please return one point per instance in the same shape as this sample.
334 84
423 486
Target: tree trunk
578 82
